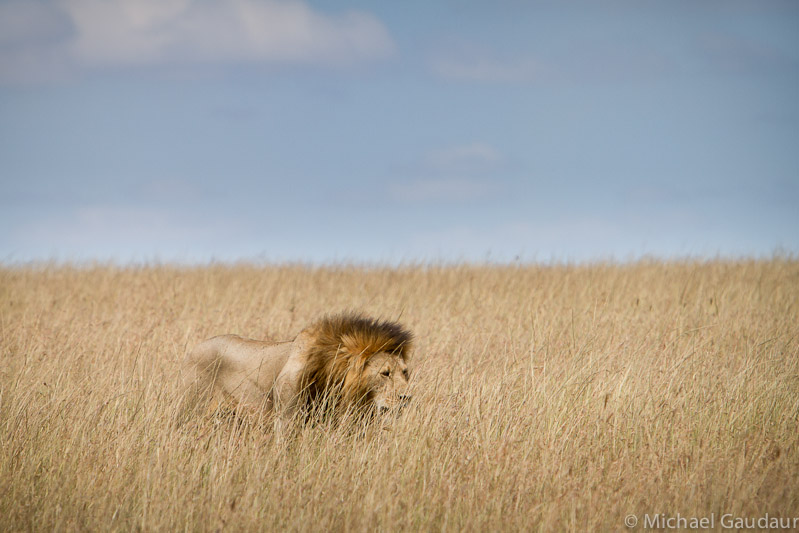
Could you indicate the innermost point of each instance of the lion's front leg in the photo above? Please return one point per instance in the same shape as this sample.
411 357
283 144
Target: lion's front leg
285 402
285 426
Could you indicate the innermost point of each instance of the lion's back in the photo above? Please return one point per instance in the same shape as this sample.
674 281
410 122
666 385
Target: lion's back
230 357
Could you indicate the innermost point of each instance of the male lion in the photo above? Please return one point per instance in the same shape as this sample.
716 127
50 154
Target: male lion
347 360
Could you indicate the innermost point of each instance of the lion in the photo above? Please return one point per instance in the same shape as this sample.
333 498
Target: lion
344 362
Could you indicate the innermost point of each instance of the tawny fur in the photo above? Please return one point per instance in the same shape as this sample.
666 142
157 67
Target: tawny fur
348 359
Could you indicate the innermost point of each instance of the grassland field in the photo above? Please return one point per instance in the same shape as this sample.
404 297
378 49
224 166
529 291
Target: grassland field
546 398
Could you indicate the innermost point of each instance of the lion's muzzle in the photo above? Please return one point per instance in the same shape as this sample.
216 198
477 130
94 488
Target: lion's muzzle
399 403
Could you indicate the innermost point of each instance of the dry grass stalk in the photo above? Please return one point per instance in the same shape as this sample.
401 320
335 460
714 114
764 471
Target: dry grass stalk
545 398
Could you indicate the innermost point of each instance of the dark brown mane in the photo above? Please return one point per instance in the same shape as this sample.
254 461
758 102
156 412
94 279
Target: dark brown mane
340 347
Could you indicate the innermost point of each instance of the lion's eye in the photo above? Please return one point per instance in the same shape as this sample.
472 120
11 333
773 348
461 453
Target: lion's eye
385 373
405 373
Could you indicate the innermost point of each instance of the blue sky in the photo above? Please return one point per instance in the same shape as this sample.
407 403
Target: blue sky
192 130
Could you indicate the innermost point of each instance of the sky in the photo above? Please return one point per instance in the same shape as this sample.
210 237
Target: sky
390 132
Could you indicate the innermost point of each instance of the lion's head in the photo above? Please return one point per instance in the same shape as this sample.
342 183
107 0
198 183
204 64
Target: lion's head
359 362
384 382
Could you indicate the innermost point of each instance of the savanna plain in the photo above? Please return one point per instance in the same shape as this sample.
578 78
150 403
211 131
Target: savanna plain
546 398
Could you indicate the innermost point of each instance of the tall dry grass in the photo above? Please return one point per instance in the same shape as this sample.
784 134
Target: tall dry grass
546 398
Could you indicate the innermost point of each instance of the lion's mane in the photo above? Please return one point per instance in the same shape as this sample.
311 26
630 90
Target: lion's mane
340 348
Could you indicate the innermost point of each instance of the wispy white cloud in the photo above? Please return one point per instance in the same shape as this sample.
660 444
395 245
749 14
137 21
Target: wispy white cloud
534 238
459 173
468 61
122 232
464 155
90 225
727 52
441 190
36 35
485 69
577 61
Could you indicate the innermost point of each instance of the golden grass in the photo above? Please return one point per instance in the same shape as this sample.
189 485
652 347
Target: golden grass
546 398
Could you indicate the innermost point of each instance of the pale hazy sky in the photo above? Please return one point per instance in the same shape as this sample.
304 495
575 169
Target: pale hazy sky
192 130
